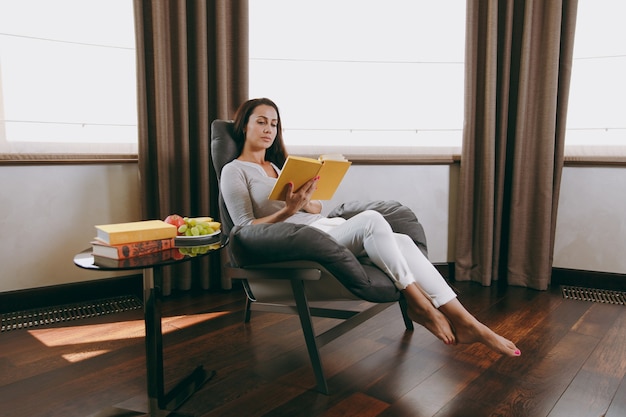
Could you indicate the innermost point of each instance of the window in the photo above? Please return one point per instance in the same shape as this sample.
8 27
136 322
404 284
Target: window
67 77
355 73
362 72
596 122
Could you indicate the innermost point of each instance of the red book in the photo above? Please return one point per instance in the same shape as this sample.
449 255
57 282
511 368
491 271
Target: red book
138 261
130 250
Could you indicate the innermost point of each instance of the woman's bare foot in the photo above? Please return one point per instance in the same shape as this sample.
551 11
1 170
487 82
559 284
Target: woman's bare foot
422 311
480 333
436 323
469 330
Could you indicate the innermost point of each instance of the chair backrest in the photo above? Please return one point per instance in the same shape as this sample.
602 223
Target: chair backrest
223 151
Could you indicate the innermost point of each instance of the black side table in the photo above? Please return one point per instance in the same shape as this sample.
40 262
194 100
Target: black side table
160 403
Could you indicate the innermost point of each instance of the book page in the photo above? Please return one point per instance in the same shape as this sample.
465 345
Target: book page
332 156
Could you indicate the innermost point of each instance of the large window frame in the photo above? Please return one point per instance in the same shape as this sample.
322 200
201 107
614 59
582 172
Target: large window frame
68 84
346 74
597 90
596 128
364 58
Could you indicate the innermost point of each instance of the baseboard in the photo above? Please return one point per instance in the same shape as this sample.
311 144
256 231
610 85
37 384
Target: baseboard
445 269
564 276
589 279
70 293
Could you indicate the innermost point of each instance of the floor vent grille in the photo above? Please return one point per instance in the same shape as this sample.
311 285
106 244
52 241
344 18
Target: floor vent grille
67 312
594 294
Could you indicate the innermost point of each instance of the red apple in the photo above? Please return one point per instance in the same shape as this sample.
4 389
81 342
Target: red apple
176 220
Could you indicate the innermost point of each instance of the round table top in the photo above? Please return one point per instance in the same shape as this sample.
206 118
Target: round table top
87 260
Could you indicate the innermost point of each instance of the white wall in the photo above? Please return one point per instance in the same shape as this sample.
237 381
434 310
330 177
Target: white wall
47 214
591 225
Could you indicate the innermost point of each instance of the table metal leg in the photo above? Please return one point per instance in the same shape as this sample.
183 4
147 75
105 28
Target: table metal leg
160 403
157 397
154 340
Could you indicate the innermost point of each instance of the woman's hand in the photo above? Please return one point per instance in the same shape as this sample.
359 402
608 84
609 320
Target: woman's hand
295 201
300 199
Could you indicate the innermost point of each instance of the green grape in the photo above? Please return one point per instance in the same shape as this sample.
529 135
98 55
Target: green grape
196 227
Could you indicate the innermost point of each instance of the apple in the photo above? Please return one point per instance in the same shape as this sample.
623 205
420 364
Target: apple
175 220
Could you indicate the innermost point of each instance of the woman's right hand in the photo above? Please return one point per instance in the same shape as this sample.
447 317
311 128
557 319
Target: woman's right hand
296 199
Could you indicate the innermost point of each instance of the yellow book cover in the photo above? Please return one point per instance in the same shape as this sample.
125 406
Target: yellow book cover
298 169
119 233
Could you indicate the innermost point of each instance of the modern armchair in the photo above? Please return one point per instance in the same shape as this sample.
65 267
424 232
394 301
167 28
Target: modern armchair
287 267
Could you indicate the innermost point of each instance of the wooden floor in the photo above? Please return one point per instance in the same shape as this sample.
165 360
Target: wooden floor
573 362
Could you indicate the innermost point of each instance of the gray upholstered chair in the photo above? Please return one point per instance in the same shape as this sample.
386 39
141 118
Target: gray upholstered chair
287 267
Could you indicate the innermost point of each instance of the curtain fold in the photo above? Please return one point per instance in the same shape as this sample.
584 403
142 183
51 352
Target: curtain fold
192 68
518 66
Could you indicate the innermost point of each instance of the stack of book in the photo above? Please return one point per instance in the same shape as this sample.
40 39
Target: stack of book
129 240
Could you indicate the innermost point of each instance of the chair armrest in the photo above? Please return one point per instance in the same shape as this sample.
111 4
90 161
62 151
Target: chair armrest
303 271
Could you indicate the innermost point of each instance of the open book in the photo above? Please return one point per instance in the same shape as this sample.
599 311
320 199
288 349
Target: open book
298 169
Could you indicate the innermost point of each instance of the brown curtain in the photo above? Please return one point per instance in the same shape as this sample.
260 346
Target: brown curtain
192 66
518 65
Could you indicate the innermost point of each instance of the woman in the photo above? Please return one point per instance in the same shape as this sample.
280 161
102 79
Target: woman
247 181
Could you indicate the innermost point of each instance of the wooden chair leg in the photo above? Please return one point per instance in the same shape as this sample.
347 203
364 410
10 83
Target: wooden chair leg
247 311
408 323
309 335
249 300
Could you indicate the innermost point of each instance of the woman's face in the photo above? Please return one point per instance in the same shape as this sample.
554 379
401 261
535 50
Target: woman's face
262 127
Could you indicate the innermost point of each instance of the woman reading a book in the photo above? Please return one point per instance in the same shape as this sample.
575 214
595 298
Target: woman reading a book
247 181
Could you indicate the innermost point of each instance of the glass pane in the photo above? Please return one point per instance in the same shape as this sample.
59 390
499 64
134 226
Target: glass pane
360 73
67 72
597 102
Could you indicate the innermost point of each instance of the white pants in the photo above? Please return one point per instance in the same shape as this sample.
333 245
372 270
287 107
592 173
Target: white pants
369 234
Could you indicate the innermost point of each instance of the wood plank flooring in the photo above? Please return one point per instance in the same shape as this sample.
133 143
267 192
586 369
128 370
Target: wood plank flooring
573 362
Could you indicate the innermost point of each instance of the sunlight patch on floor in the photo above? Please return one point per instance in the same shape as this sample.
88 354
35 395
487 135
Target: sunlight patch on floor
86 334
80 356
181 322
82 342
